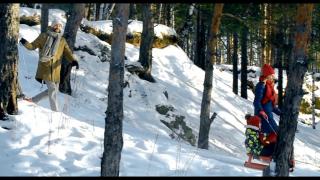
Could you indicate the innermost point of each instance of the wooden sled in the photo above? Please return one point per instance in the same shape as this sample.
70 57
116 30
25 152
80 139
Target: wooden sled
258 166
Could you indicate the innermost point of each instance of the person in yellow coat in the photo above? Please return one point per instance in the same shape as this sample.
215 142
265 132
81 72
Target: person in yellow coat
52 47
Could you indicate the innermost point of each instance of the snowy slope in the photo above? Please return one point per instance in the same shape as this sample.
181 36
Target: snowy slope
70 143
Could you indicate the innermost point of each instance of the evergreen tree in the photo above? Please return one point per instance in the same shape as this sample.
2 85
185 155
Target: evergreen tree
297 68
113 140
244 62
205 120
9 21
44 17
76 13
145 56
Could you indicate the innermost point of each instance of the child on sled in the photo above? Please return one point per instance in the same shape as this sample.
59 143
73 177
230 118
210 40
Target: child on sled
260 145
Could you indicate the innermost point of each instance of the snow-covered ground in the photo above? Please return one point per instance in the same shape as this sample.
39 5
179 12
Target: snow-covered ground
70 143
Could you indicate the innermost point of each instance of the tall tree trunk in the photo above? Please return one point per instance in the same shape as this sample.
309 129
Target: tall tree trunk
70 33
98 11
271 34
172 16
218 52
73 23
235 63
269 47
110 10
44 17
297 69
244 62
113 140
187 28
196 52
145 57
279 38
258 50
267 34
221 52
200 41
205 120
280 78
104 10
263 35
9 23
160 10
229 57
157 13
202 47
251 52
192 45
168 15
19 91
89 11
133 11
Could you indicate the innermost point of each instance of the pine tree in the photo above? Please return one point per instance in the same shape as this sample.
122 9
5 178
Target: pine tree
229 57
77 12
89 11
297 68
133 11
110 10
113 140
199 59
187 28
98 5
205 120
244 62
145 56
235 63
44 17
9 21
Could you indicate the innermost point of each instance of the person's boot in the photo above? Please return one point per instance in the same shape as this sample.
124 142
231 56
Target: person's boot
4 117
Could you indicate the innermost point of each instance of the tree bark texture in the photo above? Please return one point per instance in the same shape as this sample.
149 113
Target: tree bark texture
205 122
133 11
73 23
279 59
9 22
235 63
297 69
110 10
187 28
113 140
145 57
263 35
98 11
199 59
70 34
44 17
229 57
244 62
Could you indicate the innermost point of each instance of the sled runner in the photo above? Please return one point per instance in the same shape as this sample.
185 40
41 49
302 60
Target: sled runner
27 99
264 161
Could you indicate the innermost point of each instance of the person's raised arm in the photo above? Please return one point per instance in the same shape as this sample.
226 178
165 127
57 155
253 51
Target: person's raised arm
35 44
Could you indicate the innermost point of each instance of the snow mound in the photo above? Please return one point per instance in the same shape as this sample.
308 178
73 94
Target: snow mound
134 26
